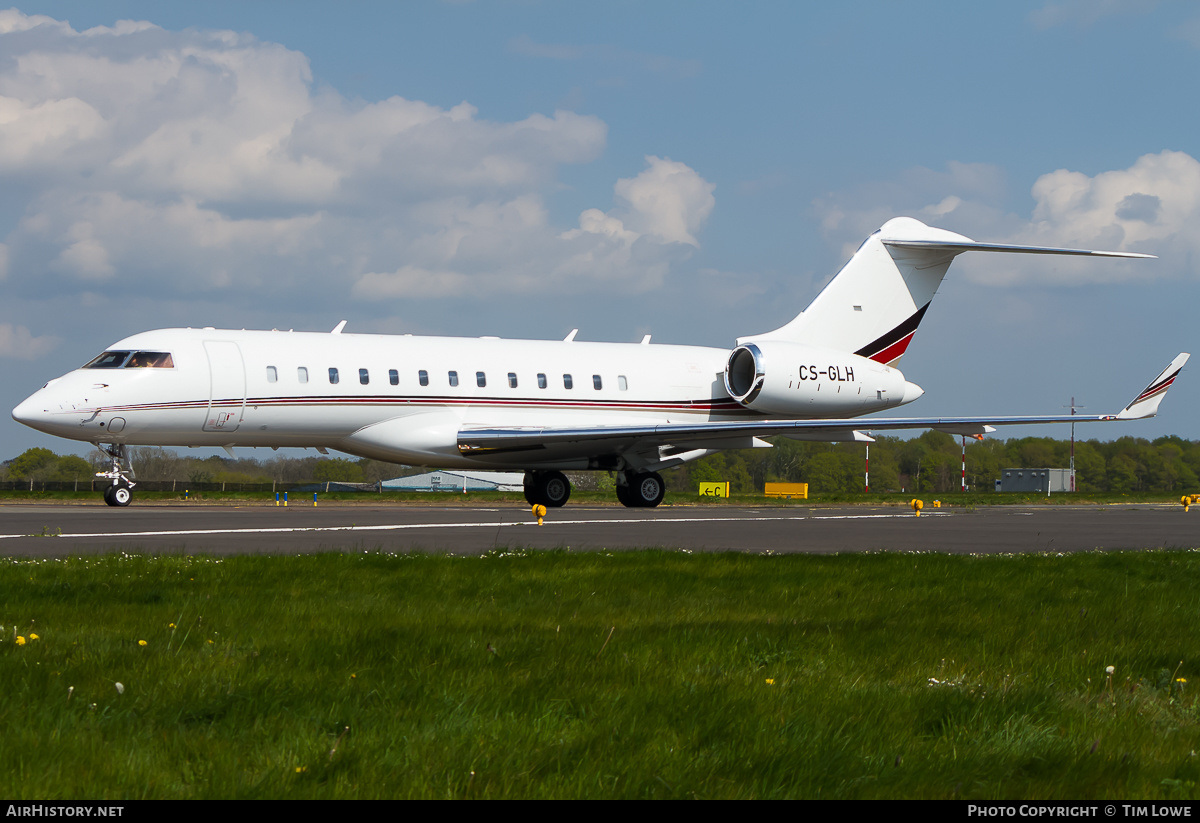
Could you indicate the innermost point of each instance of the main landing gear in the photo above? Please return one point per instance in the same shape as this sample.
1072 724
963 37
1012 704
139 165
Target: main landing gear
637 490
120 490
551 489
640 490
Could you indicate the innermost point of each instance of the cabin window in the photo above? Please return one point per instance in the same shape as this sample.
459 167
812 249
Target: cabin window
453 378
150 360
597 383
622 383
541 381
394 377
512 380
109 360
333 376
568 382
272 375
302 374
480 379
423 377
363 377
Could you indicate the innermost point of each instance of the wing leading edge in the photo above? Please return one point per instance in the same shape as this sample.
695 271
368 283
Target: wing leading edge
588 441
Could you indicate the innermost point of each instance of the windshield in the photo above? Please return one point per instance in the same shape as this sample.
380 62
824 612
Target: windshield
150 360
133 360
108 360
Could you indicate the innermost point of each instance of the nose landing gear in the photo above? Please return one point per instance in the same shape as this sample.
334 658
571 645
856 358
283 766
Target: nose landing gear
120 491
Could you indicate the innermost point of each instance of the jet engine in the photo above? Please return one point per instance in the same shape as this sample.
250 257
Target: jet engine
795 380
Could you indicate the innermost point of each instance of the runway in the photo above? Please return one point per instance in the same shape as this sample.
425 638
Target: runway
60 530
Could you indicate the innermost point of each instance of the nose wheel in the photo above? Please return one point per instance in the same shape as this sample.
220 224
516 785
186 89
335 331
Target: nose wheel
117 495
119 492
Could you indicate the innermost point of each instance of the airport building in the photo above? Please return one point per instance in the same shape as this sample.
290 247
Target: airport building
1046 481
447 481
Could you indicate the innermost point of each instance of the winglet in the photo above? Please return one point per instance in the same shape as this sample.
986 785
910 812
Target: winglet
1146 403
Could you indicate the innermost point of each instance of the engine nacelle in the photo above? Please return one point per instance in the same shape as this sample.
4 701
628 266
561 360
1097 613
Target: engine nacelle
795 380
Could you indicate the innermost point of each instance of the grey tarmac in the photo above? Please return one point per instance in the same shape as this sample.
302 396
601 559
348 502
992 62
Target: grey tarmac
59 530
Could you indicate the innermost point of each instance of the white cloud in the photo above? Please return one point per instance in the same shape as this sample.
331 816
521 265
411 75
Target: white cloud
1154 200
17 343
1150 207
1085 12
667 200
169 163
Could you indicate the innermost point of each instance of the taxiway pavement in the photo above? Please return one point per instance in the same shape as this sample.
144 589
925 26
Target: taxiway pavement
60 530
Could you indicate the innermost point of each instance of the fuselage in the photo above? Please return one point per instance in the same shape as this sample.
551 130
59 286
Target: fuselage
405 398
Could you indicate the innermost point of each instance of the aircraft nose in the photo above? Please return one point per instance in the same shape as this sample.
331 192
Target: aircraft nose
34 411
27 410
911 392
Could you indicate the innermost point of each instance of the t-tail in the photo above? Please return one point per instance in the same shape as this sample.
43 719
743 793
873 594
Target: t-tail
875 303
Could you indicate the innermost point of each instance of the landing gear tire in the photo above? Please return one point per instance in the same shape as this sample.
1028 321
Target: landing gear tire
551 489
118 495
642 491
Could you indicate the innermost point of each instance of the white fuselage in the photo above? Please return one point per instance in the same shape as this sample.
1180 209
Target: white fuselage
406 398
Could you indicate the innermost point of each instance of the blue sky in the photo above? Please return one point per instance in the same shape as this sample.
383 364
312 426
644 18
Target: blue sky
692 170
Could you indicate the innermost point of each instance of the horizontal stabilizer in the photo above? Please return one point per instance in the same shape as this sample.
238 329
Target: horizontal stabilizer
958 247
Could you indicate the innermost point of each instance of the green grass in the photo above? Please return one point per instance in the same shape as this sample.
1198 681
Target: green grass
638 674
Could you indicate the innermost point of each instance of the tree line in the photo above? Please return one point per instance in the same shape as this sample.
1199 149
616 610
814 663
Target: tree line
929 463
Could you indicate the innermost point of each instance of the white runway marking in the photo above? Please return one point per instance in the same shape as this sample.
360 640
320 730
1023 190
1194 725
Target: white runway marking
481 525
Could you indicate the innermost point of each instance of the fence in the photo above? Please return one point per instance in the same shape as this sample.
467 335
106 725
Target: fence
97 485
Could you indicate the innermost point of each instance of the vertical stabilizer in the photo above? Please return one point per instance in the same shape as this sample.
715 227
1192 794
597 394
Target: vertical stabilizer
875 303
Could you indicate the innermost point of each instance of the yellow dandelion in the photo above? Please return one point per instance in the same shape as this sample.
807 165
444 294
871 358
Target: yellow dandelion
301 769
353 676
141 642
770 681
20 640
33 636
171 626
1180 679
210 641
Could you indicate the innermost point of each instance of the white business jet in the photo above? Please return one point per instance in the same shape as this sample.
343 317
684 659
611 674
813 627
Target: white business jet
539 406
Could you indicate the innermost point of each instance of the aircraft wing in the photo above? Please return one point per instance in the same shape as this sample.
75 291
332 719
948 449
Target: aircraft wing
564 443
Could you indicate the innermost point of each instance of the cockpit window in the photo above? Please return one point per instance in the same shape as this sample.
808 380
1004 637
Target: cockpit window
151 360
108 360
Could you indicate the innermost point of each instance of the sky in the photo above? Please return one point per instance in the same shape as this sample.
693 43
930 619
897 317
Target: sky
692 170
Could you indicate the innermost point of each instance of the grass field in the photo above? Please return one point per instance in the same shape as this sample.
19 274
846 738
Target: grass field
632 674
